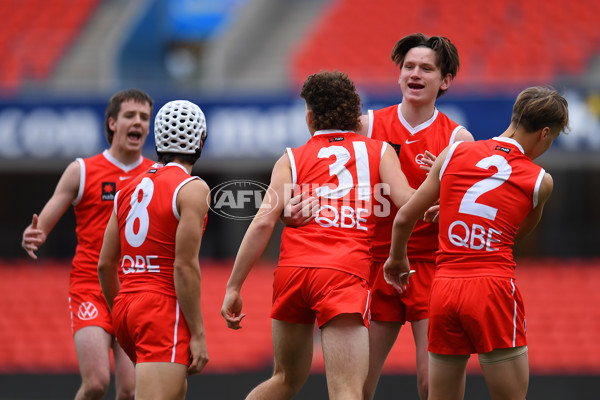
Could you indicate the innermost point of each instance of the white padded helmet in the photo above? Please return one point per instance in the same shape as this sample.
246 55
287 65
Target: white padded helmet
179 127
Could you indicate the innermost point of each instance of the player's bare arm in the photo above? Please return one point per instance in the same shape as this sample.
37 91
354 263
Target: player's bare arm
255 240
391 174
65 193
108 262
534 216
192 203
425 196
463 135
396 269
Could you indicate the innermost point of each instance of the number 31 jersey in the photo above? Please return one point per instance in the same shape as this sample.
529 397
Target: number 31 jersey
148 218
488 187
341 169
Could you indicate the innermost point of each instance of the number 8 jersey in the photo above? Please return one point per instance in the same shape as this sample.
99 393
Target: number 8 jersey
148 218
340 168
487 189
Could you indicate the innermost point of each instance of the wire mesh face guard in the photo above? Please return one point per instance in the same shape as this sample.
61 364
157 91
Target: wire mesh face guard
179 127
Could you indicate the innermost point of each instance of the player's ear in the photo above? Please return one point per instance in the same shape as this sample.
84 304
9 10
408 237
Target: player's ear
309 117
545 133
112 123
446 81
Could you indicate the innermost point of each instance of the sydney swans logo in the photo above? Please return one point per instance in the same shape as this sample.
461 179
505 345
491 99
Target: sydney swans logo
242 199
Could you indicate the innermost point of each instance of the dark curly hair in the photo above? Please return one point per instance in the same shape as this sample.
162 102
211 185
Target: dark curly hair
333 101
446 53
114 106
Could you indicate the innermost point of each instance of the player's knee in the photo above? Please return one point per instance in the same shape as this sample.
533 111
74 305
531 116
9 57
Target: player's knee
126 394
95 386
292 382
345 392
94 389
342 386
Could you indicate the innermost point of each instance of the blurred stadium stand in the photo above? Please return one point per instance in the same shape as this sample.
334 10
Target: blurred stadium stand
272 45
562 323
34 36
35 323
502 44
242 61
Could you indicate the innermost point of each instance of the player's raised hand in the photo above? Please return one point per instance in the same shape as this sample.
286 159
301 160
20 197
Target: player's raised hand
33 238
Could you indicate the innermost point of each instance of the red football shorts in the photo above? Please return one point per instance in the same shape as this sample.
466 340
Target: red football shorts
475 315
150 327
89 308
303 294
388 305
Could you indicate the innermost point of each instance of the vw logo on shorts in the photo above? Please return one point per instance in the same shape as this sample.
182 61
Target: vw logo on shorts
87 310
240 199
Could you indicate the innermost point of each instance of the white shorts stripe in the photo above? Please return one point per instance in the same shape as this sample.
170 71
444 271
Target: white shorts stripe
368 304
175 332
514 314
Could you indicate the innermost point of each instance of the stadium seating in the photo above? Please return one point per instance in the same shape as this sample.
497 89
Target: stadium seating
34 35
35 332
502 44
35 335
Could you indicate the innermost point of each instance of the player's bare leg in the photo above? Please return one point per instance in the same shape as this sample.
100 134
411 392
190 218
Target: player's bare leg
160 381
92 345
508 378
419 330
345 342
447 377
293 349
382 336
124 374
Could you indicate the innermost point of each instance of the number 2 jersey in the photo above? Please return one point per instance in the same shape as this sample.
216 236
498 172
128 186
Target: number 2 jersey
341 168
101 176
148 219
388 124
487 189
